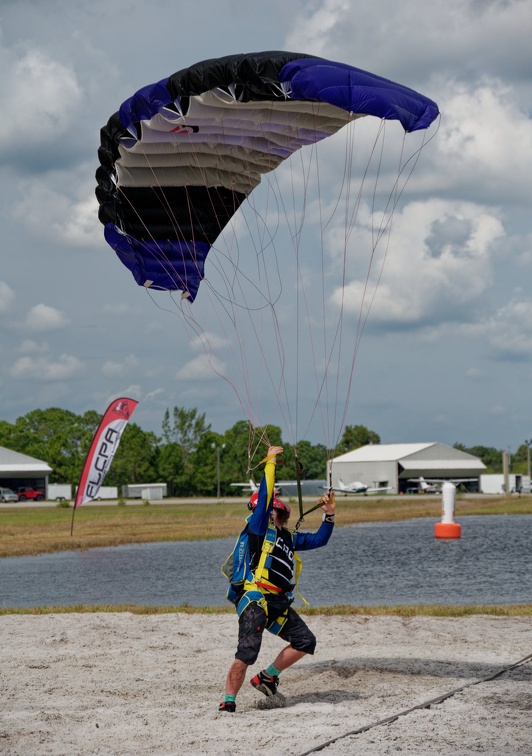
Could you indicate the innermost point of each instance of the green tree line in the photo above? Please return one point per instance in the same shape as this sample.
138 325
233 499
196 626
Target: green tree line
185 455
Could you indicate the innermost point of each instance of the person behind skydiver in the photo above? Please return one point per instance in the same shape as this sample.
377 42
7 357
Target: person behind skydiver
270 609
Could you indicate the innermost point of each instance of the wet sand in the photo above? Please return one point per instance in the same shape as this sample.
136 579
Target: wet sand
135 685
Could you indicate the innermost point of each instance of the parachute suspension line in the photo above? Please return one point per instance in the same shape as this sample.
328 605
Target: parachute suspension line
299 470
322 385
300 293
266 239
337 339
364 308
322 382
302 301
377 235
301 297
294 223
202 338
349 221
323 346
276 329
363 315
349 165
316 506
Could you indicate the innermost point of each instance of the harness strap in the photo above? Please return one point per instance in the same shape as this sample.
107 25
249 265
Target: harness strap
251 590
267 547
278 624
248 598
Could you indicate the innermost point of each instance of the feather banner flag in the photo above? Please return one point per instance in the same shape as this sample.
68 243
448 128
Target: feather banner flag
102 450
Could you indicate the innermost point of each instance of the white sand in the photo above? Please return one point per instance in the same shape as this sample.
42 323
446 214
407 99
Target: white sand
130 684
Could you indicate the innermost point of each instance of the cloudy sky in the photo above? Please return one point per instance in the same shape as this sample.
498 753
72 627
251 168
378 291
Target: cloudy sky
446 351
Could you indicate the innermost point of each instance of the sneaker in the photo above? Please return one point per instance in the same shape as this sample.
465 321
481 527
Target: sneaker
229 706
267 684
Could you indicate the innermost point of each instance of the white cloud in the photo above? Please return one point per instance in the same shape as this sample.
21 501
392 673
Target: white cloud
411 38
208 340
41 96
40 369
201 369
120 308
508 330
42 317
154 394
132 392
484 143
50 214
207 366
7 297
437 268
112 368
28 346
313 33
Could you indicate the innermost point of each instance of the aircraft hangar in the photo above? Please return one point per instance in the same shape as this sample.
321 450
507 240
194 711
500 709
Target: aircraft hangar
18 469
396 465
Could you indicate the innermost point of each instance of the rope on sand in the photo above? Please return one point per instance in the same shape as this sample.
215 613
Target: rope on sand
424 705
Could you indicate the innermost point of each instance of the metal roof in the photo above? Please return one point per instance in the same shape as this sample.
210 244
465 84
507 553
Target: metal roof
382 452
443 464
12 461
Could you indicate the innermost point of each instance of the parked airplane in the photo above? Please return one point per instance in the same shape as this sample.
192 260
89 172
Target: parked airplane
427 486
249 487
434 486
356 487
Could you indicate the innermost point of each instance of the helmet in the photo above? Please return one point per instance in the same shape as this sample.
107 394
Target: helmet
277 503
252 503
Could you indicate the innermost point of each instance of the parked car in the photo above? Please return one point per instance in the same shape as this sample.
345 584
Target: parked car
29 493
6 494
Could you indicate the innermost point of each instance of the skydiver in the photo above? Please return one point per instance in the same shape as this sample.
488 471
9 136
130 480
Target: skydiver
264 600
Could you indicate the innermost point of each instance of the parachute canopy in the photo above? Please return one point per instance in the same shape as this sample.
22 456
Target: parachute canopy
181 155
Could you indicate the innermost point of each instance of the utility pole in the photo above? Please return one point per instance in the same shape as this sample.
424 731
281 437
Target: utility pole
506 472
218 449
528 458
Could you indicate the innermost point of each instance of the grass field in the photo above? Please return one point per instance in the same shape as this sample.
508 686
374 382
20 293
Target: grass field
511 610
39 530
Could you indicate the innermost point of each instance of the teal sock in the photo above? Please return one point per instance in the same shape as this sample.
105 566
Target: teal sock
272 670
228 697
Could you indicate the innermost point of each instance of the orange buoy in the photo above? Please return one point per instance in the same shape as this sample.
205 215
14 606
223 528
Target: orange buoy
448 528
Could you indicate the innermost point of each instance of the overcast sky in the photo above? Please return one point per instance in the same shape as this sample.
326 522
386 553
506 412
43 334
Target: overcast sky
446 354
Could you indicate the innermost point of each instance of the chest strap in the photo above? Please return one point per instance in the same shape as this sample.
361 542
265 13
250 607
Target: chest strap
252 590
267 548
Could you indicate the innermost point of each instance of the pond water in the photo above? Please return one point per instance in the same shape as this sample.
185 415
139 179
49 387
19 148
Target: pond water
368 565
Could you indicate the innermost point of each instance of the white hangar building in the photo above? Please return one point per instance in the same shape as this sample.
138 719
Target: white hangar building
394 465
18 469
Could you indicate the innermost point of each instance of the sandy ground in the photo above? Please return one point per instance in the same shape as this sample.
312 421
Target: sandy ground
130 684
